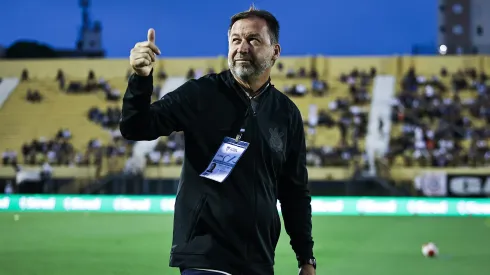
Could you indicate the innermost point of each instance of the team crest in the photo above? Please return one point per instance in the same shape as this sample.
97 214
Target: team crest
276 140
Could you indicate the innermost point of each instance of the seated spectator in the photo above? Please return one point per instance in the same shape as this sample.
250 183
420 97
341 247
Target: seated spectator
444 72
343 78
459 81
63 133
154 158
94 143
360 95
9 157
60 77
210 71
319 88
33 96
354 73
91 81
295 90
313 74
373 72
198 74
76 87
280 66
113 95
365 79
25 75
325 119
95 115
162 75
302 72
339 104
191 74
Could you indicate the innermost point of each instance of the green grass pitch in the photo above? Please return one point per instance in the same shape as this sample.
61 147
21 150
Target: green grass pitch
124 244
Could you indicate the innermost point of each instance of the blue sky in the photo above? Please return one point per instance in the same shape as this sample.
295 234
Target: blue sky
198 28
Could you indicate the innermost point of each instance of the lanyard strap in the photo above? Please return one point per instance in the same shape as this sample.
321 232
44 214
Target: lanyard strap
249 110
244 123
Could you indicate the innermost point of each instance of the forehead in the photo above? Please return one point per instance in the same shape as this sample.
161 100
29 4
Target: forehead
249 26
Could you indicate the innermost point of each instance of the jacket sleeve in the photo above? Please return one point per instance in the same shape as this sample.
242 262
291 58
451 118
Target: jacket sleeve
143 120
294 195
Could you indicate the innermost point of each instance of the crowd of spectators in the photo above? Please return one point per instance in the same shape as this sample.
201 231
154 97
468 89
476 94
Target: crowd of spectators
345 114
318 87
58 150
431 111
168 151
443 119
108 119
34 96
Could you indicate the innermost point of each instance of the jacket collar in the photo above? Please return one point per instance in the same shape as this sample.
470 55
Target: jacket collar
233 83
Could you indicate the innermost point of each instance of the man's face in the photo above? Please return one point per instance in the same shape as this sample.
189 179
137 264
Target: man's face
250 52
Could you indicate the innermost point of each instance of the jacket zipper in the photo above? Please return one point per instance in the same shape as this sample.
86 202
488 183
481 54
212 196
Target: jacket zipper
254 194
254 177
248 101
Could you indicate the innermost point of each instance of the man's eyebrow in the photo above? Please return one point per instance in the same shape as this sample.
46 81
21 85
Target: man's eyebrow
248 35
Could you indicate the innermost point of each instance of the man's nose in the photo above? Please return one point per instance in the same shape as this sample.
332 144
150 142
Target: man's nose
244 47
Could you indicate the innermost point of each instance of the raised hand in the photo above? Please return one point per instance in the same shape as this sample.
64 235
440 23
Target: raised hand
143 55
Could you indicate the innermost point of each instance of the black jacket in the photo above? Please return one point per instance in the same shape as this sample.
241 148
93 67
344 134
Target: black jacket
232 226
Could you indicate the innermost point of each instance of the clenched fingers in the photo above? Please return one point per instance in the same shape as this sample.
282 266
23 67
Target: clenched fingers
143 52
141 62
148 44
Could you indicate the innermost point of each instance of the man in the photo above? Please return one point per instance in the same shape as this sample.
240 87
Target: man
226 221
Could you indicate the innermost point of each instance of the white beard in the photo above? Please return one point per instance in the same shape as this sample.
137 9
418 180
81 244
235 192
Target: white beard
248 70
243 71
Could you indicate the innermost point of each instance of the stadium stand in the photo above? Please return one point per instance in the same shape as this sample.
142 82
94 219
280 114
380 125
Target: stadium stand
439 104
441 118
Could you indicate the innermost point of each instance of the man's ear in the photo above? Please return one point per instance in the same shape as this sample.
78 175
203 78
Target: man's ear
277 52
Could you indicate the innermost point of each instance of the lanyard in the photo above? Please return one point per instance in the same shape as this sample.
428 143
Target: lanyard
248 112
244 123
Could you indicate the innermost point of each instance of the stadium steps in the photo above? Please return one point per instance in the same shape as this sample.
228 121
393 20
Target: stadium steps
324 136
22 121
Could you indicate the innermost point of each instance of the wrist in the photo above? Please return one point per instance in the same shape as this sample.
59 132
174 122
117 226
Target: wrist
310 261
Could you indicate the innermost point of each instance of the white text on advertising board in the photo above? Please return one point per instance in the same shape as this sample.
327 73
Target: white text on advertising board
426 207
82 204
125 204
33 203
4 203
167 205
372 206
319 206
473 208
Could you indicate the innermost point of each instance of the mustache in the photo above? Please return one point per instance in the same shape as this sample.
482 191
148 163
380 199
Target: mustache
243 57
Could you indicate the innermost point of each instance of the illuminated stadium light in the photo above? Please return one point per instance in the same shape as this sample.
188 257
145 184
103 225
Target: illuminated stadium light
442 49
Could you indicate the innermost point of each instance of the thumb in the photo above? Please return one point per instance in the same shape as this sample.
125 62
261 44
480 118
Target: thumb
151 35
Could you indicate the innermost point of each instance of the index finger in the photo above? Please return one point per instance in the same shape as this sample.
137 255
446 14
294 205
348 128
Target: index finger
150 45
154 47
